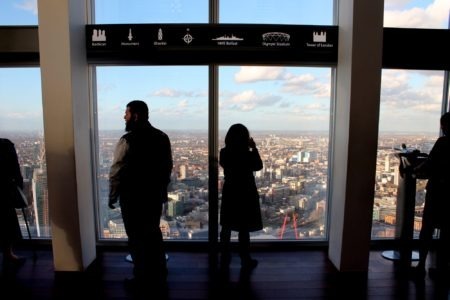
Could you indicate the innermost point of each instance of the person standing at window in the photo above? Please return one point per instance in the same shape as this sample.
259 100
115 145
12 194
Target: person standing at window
437 201
10 179
240 209
139 177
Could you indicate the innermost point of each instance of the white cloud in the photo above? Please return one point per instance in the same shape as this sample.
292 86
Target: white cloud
428 107
167 92
306 84
434 15
28 5
389 4
253 74
173 93
393 81
249 100
317 106
23 115
401 92
182 104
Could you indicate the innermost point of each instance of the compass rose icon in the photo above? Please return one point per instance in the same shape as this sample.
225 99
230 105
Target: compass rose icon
187 38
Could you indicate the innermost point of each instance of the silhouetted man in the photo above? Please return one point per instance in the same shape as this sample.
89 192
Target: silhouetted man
139 177
437 201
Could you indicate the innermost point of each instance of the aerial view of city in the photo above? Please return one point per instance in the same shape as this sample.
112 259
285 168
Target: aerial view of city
292 185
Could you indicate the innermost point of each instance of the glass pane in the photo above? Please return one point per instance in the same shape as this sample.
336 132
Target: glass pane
144 11
178 102
18 12
417 13
296 12
287 111
21 121
409 114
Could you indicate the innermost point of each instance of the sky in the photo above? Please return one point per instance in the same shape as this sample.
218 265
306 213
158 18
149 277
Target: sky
277 97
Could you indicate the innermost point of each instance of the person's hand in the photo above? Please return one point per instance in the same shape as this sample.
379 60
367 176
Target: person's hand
251 143
111 204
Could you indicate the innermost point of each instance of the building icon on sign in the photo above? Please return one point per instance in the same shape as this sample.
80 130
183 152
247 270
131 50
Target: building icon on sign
130 35
319 37
98 35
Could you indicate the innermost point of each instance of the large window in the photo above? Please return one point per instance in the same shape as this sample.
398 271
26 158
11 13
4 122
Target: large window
287 111
410 109
178 104
21 121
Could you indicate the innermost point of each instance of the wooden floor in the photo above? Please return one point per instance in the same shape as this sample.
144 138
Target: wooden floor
305 274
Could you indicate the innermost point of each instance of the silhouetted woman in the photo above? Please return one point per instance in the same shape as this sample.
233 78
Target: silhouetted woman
437 200
10 177
240 210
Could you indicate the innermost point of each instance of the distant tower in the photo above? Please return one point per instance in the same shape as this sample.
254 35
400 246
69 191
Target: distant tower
40 204
182 171
387 164
40 196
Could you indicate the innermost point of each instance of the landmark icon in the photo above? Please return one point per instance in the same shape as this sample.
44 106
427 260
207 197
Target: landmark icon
276 37
188 38
319 37
130 35
228 38
98 35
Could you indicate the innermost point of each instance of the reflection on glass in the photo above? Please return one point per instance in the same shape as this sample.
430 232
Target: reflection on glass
177 100
18 12
417 14
144 11
318 12
409 114
21 121
287 111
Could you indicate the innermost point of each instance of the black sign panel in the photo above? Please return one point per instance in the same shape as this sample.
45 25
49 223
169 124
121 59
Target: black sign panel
414 48
190 44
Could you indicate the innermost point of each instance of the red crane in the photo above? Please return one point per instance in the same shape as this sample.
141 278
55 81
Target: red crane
283 227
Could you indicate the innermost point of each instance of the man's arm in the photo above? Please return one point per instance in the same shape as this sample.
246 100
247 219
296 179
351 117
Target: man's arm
114 173
169 159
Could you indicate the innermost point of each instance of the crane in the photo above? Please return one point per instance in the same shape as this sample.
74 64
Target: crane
294 221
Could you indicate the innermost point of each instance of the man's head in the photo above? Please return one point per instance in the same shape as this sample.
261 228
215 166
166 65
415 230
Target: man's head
136 113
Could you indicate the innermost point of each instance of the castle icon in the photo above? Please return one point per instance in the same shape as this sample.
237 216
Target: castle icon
98 35
319 37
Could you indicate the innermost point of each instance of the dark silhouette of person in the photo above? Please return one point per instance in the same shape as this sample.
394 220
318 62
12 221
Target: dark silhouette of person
240 209
437 201
139 177
10 179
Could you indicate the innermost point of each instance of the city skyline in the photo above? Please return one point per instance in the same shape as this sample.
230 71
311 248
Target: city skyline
292 185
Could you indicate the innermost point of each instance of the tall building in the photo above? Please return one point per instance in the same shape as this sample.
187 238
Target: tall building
387 163
40 204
